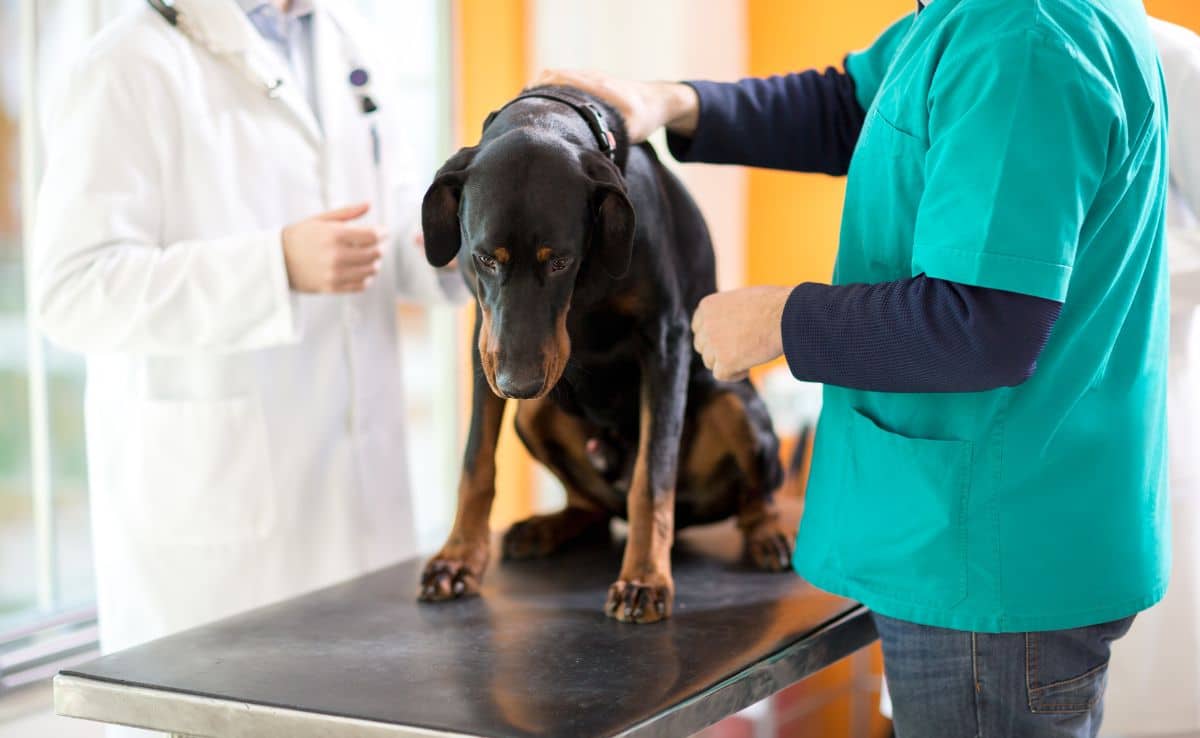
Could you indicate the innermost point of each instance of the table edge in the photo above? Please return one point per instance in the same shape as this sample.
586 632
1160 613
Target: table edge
855 629
210 717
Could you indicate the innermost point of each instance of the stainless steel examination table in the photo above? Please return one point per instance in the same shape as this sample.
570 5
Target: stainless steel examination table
534 656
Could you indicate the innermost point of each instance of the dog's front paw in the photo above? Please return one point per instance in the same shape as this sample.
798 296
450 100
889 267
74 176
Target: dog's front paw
769 548
644 600
455 572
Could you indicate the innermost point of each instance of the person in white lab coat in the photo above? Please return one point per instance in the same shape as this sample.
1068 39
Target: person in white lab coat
1154 677
210 234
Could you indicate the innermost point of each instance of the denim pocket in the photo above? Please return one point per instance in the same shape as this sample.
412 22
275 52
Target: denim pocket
1066 670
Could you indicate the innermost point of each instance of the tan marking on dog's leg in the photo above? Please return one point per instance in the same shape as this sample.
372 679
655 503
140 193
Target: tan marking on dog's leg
541 423
768 544
458 568
645 591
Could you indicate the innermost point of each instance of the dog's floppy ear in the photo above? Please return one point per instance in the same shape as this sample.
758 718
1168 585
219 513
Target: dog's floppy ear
613 219
439 209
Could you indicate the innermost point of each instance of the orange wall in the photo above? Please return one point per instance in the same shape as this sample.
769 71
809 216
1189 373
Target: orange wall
1183 12
491 67
793 219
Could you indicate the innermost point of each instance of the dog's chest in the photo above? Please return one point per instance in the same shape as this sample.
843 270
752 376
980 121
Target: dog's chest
603 336
604 393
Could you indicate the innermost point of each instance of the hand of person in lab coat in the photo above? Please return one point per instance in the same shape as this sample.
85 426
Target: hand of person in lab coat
326 253
739 329
645 106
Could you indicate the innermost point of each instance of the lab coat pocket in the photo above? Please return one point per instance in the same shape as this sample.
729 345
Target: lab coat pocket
902 514
206 473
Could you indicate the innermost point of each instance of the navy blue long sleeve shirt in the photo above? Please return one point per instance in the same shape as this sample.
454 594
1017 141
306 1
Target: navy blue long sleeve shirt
918 334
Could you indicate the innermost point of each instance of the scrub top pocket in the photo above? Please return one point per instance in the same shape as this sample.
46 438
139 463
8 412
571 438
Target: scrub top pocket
903 513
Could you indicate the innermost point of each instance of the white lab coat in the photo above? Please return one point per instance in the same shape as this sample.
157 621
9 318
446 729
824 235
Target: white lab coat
245 443
1154 677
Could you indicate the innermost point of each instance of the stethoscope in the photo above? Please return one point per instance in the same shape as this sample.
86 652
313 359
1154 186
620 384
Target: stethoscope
360 79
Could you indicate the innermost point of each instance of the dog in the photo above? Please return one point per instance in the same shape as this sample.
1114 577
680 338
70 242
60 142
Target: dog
587 258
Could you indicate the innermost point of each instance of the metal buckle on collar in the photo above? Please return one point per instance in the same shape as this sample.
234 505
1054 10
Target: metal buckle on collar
604 135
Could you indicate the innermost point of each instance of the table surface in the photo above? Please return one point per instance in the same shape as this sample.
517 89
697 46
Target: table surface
534 656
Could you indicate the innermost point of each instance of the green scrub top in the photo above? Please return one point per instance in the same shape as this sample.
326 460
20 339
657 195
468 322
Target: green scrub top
1017 145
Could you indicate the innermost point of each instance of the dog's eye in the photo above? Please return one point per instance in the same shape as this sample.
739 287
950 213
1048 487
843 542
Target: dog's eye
488 262
559 264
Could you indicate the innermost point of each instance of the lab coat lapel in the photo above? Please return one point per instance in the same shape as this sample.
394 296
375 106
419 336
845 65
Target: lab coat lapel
227 32
349 168
332 69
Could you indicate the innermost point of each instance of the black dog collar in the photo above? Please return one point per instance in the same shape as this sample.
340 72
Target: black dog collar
591 114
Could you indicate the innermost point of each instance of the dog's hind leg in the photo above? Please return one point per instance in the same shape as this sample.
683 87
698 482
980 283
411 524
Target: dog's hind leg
734 421
559 441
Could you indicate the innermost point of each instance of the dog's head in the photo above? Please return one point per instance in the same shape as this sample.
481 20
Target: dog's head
529 214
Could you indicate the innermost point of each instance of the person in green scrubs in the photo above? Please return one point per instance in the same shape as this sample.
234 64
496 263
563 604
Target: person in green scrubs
989 467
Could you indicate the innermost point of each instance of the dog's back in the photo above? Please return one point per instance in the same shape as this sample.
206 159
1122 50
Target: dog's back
688 239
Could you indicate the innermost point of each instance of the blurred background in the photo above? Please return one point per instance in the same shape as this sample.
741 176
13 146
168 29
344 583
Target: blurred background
461 59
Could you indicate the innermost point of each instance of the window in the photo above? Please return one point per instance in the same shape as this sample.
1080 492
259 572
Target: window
44 545
46 584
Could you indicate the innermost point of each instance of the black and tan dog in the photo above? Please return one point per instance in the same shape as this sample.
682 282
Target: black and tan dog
587 258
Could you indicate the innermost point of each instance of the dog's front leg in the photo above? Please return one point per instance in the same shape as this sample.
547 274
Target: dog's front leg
458 568
645 591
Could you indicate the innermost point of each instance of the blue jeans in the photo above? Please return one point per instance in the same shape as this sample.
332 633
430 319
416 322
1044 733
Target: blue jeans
956 684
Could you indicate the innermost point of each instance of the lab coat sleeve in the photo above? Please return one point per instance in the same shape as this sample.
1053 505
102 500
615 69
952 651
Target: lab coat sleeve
416 280
1181 66
1180 52
104 277
420 283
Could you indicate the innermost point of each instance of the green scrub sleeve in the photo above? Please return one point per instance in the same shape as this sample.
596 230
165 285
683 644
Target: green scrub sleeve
1019 142
868 67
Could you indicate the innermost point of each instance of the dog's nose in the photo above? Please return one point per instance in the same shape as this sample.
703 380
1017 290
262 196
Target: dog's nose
519 385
